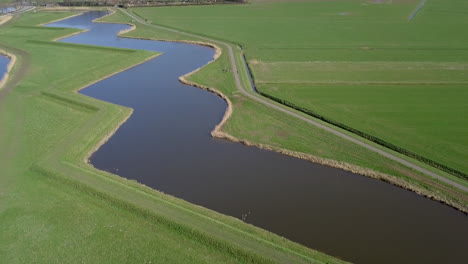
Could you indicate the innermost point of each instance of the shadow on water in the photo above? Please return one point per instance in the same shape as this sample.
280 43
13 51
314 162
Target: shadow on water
166 144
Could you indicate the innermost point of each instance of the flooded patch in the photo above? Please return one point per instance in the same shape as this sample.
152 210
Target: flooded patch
166 144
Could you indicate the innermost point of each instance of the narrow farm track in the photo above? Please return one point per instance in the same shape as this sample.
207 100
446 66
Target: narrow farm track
285 110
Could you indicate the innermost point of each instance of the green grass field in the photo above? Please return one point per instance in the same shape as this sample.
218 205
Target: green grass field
359 62
54 208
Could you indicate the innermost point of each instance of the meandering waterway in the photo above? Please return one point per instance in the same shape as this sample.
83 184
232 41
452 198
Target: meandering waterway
166 144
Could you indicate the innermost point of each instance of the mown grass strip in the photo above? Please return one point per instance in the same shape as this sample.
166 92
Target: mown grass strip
80 46
39 28
196 34
69 100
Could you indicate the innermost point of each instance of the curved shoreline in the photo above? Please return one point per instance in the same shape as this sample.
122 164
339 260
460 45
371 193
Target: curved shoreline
218 50
119 124
218 132
12 63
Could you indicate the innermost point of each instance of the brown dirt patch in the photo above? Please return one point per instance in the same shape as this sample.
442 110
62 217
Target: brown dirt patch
4 19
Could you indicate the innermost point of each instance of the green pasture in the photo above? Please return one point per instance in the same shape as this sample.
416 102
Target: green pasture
359 62
422 112
403 73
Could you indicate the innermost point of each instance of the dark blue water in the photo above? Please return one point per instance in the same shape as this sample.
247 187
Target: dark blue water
166 144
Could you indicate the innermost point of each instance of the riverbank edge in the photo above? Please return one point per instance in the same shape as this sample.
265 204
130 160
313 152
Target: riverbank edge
10 66
57 20
86 159
218 132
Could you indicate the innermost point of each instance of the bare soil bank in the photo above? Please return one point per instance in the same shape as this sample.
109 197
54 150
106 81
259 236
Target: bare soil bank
4 19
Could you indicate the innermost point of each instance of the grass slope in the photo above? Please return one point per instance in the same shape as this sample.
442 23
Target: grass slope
54 208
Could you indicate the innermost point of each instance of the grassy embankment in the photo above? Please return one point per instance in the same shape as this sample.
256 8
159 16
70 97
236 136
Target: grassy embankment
278 33
55 208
